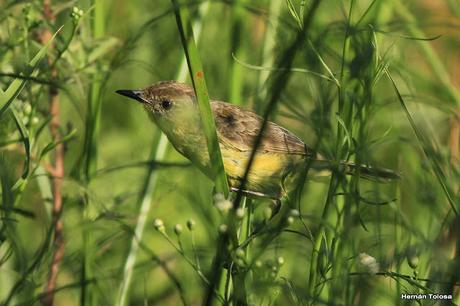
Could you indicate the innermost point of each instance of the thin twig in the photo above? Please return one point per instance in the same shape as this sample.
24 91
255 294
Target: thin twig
57 170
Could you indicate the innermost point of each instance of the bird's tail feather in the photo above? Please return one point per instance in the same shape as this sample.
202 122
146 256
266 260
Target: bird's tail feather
364 171
370 173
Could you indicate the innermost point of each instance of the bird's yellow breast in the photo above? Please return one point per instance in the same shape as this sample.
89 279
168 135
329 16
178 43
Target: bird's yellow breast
268 170
263 166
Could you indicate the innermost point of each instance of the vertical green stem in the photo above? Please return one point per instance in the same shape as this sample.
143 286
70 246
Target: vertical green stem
94 101
320 236
236 78
345 111
269 44
88 293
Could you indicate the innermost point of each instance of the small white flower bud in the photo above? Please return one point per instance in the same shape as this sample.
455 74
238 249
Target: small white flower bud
218 197
27 108
224 206
223 228
178 229
240 213
76 14
159 225
240 262
240 253
280 261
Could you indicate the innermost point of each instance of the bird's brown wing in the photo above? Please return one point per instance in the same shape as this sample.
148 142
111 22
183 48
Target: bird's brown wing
239 128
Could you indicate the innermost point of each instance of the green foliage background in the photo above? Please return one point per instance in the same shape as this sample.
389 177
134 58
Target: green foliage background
375 82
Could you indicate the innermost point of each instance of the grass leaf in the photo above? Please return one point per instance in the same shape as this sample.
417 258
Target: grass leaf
50 146
199 84
294 13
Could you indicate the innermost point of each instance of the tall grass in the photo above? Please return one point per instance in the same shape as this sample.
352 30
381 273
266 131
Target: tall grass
235 74
89 295
367 82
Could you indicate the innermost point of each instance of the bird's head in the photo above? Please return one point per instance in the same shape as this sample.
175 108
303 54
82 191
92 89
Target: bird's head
169 103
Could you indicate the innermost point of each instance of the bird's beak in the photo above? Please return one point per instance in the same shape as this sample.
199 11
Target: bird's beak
133 94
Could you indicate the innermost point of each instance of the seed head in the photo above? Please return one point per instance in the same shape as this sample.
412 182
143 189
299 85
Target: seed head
413 261
159 225
223 206
369 262
191 224
239 253
294 213
178 229
223 228
280 261
240 213
76 14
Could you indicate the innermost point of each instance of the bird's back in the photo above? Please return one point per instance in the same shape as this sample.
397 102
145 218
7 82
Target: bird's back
278 154
240 128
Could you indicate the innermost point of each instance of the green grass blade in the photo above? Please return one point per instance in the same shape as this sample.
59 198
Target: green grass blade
299 70
268 47
25 140
236 76
50 146
89 294
294 13
199 83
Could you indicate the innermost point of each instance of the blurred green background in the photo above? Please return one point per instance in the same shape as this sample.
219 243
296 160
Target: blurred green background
373 241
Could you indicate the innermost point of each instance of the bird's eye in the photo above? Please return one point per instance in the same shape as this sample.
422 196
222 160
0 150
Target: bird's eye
166 104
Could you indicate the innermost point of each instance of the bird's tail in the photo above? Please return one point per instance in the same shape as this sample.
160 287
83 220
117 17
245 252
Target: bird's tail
370 173
350 168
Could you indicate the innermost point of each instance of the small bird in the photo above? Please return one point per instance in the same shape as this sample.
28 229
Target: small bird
279 160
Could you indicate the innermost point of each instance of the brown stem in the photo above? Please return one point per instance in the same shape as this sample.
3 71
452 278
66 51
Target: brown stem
57 170
454 138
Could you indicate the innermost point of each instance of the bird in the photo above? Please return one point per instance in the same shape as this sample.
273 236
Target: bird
279 160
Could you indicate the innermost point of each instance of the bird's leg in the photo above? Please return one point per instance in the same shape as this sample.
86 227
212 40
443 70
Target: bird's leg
252 193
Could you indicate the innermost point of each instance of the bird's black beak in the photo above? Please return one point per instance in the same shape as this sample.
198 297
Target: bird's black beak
133 94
